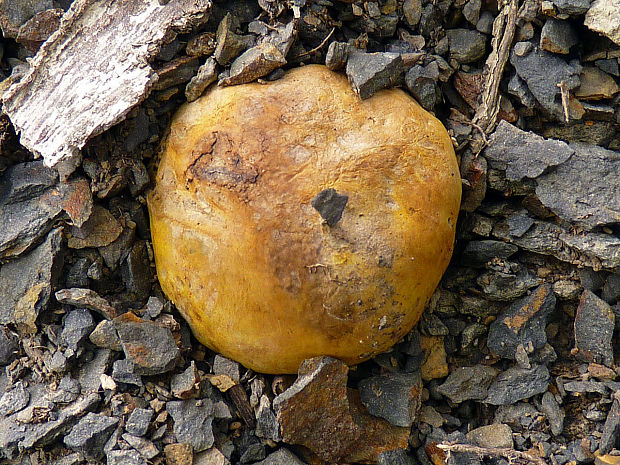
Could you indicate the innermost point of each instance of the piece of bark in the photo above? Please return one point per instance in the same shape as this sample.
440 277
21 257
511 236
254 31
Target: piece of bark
92 72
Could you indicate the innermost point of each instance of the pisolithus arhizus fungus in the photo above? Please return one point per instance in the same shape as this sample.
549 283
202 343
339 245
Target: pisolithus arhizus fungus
292 219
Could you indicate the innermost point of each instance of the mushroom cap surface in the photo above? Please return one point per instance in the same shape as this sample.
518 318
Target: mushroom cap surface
255 269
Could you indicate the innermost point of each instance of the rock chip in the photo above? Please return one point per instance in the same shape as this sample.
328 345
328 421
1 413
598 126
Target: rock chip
9 347
371 72
124 457
86 298
14 400
100 230
26 283
468 383
337 55
138 421
582 189
594 328
267 426
229 43
179 454
611 428
604 17
320 413
493 436
187 384
90 434
523 324
434 364
558 36
554 413
207 74
282 456
254 63
192 422
104 335
422 84
543 71
150 347
396 397
479 253
524 154
517 384
77 325
395 457
466 45
595 85
228 367
572 7
412 10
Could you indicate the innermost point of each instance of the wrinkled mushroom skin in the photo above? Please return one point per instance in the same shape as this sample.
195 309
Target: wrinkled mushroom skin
257 272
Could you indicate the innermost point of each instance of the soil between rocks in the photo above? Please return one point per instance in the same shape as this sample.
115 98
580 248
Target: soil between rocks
521 334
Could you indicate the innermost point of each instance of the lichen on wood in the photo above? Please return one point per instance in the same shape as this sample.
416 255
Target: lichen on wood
92 72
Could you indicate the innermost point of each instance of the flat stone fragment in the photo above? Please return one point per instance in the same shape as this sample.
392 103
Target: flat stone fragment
77 325
14 400
422 84
523 323
594 328
604 17
554 413
517 384
100 230
93 36
213 456
370 72
572 7
337 55
187 384
479 253
254 63
282 456
27 210
138 421
179 454
26 283
150 347
124 457
192 422
105 336
86 298
9 348
395 457
320 413
596 85
611 428
267 425
524 154
330 205
558 36
543 71
229 44
492 436
395 397
584 190
207 74
90 434
468 383
176 72
466 45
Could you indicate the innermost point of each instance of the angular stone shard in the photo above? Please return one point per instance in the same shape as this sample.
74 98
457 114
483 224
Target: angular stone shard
584 189
192 422
522 324
604 17
371 72
91 72
320 413
517 384
524 154
594 329
468 383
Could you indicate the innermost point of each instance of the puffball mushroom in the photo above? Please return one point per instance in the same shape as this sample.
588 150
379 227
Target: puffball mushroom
292 219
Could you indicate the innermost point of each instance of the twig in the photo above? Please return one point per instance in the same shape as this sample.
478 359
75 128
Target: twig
503 34
319 47
564 93
508 453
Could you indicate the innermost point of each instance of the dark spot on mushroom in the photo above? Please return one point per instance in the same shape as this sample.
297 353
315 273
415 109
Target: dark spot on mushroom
330 205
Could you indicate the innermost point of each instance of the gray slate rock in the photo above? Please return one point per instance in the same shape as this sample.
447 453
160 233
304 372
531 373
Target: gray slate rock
184 385
594 328
611 428
394 457
138 421
611 289
422 84
558 36
8 346
524 323
497 435
267 425
26 283
584 189
466 45
517 384
150 347
524 154
468 383
337 55
497 285
27 208
479 253
230 44
543 71
89 374
395 397
572 7
554 413
123 371
192 422
90 434
125 457
254 63
14 400
282 456
228 367
253 453
371 72
77 325
105 336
